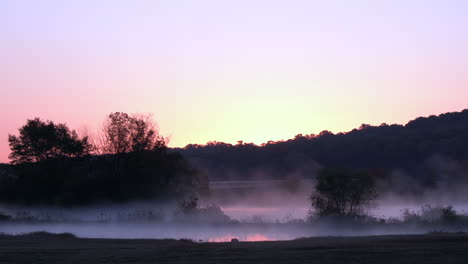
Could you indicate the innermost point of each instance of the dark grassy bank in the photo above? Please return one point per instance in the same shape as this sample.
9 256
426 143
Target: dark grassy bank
63 248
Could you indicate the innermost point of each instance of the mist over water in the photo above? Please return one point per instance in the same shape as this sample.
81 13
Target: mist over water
249 210
271 201
267 213
276 201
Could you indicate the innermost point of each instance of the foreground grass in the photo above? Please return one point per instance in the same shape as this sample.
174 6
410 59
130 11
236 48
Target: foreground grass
46 248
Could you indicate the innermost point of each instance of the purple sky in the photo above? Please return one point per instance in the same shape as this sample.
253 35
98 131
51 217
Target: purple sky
231 70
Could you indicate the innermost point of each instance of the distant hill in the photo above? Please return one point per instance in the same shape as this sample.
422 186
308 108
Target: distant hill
411 148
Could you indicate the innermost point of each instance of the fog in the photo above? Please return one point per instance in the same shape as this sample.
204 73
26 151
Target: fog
258 210
262 201
245 210
198 232
283 201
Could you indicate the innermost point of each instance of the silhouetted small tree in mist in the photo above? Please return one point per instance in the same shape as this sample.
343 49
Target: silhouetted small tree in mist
340 192
41 140
124 133
190 205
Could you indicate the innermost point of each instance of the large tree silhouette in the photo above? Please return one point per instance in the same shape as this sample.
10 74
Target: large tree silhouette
124 133
41 140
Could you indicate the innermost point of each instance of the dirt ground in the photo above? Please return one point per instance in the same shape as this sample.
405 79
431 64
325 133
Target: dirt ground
440 248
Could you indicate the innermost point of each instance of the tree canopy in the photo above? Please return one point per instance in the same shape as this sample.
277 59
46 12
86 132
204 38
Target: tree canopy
41 140
141 171
124 133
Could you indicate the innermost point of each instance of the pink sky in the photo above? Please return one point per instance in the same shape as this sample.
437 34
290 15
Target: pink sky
247 70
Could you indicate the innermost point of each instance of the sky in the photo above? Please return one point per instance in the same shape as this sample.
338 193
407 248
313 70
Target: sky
251 70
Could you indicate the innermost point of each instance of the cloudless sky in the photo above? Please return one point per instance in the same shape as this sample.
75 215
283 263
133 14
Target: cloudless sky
231 70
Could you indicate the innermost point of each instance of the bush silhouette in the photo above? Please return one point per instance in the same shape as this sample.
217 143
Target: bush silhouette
340 192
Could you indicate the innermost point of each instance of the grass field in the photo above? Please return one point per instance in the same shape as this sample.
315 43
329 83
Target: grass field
46 248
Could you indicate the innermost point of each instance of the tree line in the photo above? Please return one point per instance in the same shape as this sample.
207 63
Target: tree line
426 152
40 140
127 160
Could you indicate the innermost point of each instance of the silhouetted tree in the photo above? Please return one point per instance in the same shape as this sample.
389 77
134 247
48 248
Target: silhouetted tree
39 141
339 192
124 133
190 205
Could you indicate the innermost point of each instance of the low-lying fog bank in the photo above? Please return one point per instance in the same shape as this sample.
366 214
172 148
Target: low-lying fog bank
201 232
246 210
210 223
285 200
274 214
